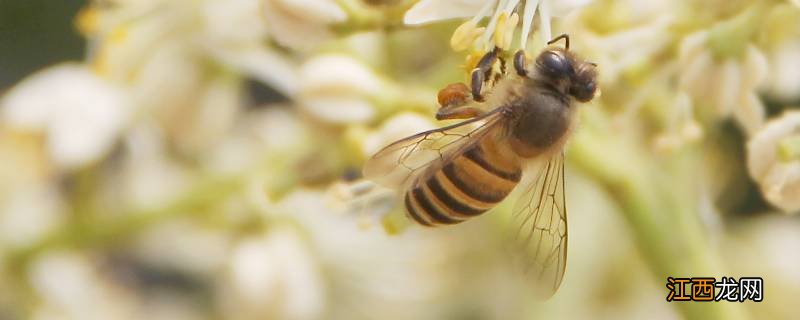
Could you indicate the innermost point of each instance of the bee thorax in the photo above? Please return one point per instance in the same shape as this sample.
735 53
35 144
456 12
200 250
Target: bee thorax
542 122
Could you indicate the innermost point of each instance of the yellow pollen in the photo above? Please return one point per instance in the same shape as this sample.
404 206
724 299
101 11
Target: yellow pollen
118 35
472 60
87 21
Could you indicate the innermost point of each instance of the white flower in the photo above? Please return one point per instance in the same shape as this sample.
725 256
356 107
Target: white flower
379 273
301 24
80 114
274 131
338 89
183 245
773 161
71 288
236 34
234 22
148 178
728 86
502 24
28 212
783 79
274 276
426 11
157 42
399 126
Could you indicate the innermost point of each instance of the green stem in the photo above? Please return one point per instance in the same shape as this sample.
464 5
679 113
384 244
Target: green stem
120 225
730 38
363 17
663 220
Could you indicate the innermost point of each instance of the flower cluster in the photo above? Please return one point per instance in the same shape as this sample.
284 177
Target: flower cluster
204 159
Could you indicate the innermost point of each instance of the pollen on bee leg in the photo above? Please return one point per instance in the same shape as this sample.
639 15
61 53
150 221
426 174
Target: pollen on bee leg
454 94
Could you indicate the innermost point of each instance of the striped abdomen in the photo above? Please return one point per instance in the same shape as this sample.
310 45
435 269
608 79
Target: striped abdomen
473 182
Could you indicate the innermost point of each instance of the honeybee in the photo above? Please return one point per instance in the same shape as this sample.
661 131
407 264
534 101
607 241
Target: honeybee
515 129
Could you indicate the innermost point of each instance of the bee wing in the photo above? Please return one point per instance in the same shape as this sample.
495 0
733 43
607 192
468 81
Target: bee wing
541 217
396 164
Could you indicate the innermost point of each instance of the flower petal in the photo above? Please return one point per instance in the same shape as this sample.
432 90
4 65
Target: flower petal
563 7
80 112
320 11
427 11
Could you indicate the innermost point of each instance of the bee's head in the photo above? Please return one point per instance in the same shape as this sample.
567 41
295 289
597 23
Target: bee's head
568 73
584 82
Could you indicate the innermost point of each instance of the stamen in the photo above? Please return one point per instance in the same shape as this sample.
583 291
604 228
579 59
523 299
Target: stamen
465 35
510 6
505 30
499 33
484 11
527 20
491 27
544 21
87 21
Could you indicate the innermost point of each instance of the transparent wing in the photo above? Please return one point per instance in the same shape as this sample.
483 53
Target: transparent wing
396 164
541 216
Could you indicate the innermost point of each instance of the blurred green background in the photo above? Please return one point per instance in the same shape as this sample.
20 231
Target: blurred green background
35 34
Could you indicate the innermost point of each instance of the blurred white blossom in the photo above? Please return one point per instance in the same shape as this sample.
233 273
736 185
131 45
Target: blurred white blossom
301 24
338 89
400 126
728 86
148 177
80 114
380 273
238 128
783 79
71 288
502 23
274 276
28 213
772 160
183 245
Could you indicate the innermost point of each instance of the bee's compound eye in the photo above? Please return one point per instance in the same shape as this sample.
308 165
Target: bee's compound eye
553 63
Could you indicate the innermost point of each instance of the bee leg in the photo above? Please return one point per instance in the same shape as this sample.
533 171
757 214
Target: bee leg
477 84
482 72
454 101
519 63
458 112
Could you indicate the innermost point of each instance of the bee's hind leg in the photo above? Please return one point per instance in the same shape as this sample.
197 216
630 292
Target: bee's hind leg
482 73
455 103
458 112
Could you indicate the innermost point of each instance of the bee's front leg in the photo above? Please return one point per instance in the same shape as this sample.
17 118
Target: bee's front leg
482 72
520 59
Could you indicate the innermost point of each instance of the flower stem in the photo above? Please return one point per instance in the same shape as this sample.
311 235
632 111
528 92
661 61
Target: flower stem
108 231
663 220
730 38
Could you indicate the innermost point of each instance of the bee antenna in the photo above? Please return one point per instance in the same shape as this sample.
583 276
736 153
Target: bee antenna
562 36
